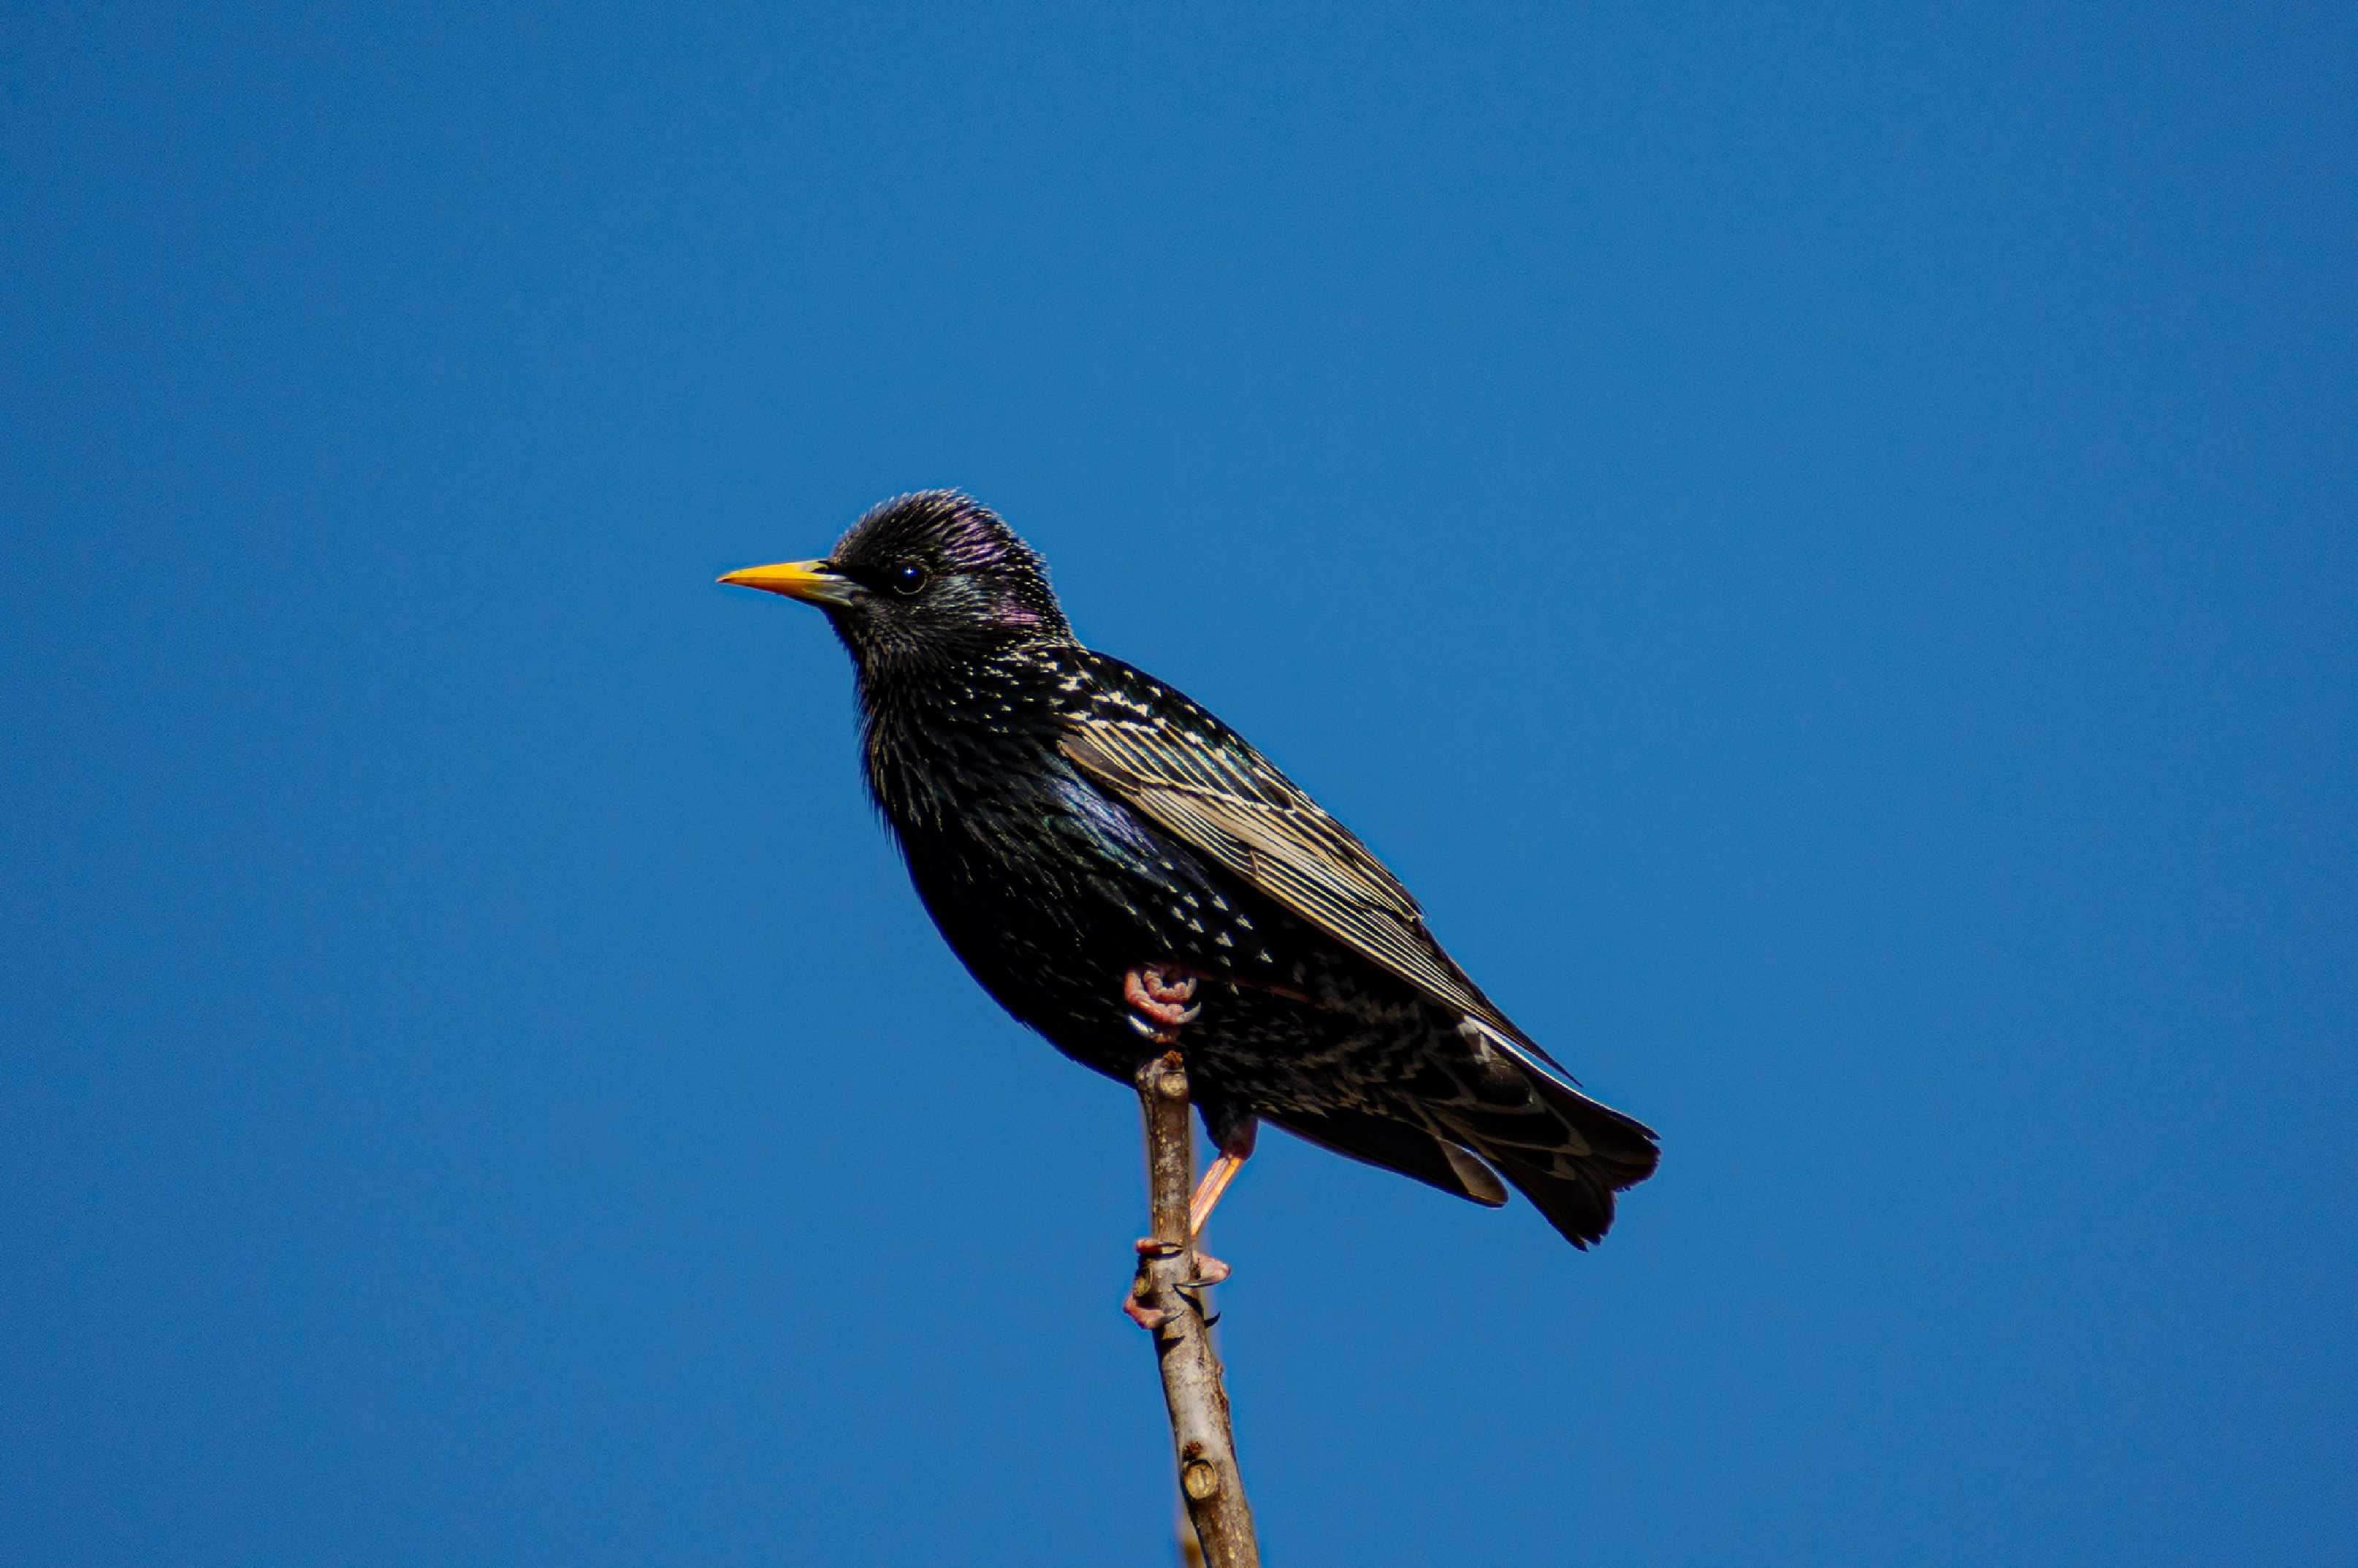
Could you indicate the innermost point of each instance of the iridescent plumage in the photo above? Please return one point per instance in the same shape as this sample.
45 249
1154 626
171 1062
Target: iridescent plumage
1066 818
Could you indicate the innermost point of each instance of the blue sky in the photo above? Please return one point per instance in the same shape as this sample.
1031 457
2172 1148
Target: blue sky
1820 542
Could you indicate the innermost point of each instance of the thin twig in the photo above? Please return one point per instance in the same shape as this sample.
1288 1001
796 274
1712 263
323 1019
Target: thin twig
1166 1302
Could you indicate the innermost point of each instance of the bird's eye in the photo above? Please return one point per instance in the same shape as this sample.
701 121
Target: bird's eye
906 579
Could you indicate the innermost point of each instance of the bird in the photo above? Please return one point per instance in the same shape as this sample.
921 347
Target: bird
1125 874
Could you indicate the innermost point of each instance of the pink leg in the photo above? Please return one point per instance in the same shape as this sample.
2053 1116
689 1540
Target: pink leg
1232 1157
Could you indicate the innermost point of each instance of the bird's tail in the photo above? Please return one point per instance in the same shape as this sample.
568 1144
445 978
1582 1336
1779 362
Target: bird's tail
1564 1152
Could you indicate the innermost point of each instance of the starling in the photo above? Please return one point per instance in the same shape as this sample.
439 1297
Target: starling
1124 873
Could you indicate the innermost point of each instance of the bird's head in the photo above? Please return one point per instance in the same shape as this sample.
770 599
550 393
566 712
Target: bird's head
924 579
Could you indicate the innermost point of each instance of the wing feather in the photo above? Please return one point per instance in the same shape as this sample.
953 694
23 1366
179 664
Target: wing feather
1215 794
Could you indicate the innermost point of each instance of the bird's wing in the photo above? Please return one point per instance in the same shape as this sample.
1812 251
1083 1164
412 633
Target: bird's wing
1204 784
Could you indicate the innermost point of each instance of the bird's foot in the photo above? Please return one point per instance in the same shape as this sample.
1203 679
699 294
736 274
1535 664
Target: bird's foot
1209 1272
1162 998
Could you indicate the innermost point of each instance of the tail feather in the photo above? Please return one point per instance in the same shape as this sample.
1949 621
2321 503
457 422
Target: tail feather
1564 1152
1579 1205
1622 1149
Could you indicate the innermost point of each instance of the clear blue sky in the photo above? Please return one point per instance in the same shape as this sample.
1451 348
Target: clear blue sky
1821 544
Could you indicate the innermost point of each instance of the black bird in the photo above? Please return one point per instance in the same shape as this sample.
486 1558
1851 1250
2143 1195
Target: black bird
1123 872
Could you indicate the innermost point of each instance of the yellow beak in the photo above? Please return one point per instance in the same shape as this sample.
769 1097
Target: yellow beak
812 582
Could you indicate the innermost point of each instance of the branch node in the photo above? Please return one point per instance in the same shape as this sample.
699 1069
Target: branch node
1201 1481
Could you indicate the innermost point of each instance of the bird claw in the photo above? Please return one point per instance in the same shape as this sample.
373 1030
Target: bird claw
1209 1272
1162 999
1149 1032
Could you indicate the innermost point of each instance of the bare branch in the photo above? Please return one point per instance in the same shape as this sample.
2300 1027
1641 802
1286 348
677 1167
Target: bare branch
1166 1299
